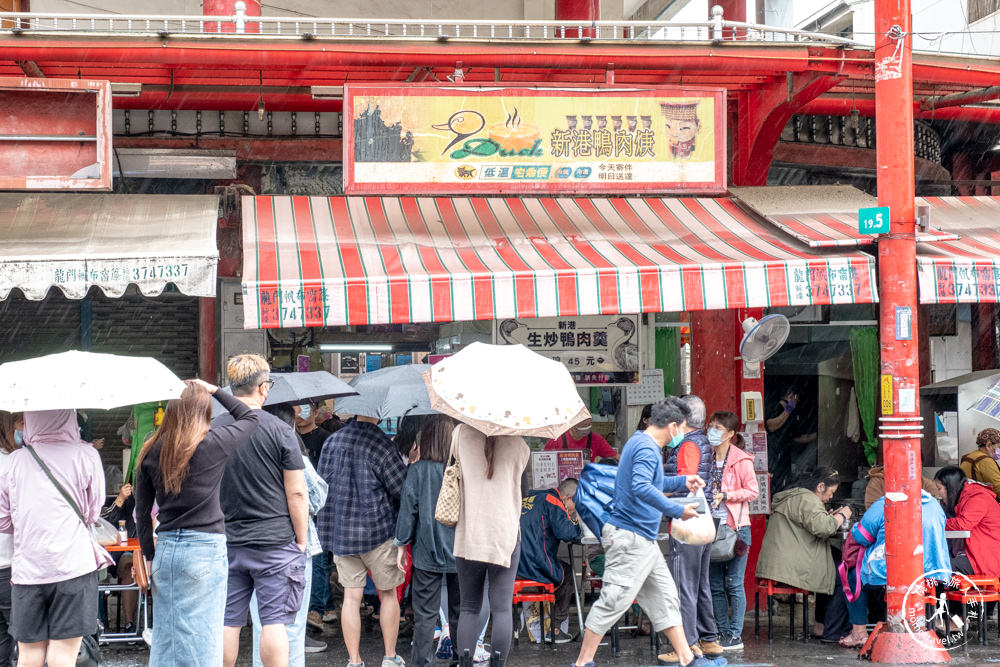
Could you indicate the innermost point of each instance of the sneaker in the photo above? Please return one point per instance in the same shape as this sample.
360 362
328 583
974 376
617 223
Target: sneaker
394 661
314 645
147 636
315 621
586 664
330 617
563 637
482 655
437 634
710 649
732 643
129 629
444 650
355 664
672 658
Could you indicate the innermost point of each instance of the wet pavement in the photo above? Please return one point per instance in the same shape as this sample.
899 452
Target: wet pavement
635 652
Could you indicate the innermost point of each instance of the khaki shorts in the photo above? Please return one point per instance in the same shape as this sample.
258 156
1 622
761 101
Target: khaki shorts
380 561
634 569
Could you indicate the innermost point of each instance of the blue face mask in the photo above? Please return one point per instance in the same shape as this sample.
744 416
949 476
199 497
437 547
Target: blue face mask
19 437
676 440
715 436
305 411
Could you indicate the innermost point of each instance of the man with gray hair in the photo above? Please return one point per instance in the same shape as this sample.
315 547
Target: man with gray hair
690 564
634 567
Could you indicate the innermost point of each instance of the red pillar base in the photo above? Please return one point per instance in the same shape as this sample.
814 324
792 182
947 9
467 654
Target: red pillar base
903 647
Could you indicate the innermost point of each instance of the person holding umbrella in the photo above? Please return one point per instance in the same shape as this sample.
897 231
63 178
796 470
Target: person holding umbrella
180 468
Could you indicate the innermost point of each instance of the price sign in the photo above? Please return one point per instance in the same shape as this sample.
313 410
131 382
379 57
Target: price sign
873 220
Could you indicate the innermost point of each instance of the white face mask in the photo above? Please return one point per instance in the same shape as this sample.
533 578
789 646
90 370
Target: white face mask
583 430
305 411
19 437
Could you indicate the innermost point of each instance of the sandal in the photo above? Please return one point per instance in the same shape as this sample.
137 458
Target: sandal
845 643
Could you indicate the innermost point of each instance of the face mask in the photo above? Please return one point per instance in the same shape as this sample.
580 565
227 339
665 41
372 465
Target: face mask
305 411
676 440
996 454
19 437
583 430
715 436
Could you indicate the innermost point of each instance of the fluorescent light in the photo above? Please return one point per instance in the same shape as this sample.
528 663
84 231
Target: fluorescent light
327 92
126 89
355 347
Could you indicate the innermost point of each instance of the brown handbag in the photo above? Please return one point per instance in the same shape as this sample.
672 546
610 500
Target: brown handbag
449 502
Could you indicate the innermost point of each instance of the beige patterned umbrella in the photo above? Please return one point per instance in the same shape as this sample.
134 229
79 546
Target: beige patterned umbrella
506 390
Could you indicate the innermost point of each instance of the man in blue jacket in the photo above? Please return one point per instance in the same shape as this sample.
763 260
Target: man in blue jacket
548 517
634 565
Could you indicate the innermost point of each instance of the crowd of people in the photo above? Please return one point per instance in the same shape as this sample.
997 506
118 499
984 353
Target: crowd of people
258 497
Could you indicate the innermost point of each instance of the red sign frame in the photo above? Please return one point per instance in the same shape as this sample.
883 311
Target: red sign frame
352 186
64 134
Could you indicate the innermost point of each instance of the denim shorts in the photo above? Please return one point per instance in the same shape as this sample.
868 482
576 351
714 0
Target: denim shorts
277 575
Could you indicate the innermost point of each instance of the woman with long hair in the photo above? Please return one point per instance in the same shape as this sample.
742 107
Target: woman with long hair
180 468
488 533
971 506
734 486
431 543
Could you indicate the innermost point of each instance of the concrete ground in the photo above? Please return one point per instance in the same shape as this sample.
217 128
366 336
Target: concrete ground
635 652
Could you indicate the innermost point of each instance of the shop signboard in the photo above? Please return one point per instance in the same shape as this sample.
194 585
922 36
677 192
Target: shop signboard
762 504
419 139
597 349
548 469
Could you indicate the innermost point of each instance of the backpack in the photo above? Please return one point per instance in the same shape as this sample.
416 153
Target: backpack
595 495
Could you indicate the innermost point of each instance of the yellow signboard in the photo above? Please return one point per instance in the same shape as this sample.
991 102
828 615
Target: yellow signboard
461 139
887 395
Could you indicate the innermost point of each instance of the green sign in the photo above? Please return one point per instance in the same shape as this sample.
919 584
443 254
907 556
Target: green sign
873 220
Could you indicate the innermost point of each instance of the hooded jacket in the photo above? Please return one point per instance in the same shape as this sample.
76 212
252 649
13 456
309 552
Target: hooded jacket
796 548
977 511
739 483
870 533
544 524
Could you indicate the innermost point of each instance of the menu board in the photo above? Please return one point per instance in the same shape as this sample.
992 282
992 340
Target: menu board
550 468
762 505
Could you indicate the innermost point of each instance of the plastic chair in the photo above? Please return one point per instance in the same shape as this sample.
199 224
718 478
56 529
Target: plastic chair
770 589
974 589
540 592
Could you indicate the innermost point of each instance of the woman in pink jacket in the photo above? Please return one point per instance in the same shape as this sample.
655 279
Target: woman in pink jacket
734 485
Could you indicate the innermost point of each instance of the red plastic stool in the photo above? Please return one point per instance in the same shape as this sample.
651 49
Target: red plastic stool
772 588
539 592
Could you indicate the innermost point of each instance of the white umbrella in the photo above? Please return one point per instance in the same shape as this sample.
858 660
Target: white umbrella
506 390
389 392
85 380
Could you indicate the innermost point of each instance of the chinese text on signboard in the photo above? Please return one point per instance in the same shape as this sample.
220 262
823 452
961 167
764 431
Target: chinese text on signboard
597 349
420 139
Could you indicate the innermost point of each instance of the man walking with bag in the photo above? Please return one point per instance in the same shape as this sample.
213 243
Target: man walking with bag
634 567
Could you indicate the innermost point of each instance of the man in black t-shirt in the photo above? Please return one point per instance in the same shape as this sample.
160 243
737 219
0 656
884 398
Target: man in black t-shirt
312 435
265 503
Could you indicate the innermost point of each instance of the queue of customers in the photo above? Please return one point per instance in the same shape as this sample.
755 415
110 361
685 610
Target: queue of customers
248 499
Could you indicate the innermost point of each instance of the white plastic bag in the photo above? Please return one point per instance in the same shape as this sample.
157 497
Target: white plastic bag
697 531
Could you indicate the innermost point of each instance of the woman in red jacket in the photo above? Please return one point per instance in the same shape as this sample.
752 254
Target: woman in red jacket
973 507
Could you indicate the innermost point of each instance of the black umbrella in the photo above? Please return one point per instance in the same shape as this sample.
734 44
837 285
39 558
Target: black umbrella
299 388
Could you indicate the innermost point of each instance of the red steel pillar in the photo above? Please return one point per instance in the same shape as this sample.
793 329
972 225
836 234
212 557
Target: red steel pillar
227 8
903 639
576 11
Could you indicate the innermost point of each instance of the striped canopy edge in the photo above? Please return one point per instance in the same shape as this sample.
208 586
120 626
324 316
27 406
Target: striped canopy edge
329 261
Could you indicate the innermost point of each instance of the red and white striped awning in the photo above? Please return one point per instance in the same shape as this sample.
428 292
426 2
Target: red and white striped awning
823 216
966 270
318 261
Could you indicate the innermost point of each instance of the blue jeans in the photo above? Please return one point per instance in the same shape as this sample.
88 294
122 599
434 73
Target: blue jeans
319 592
728 595
296 630
189 596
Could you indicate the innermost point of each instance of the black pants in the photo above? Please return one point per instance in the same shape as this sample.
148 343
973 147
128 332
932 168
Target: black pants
564 596
689 566
6 641
425 596
472 580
